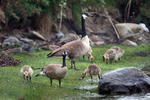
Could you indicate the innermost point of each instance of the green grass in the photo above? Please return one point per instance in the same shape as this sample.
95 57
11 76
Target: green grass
12 86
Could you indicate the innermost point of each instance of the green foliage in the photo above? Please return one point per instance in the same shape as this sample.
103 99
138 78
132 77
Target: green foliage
141 8
12 86
22 9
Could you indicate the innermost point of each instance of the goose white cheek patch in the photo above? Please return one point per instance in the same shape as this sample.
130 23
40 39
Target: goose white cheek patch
41 73
84 16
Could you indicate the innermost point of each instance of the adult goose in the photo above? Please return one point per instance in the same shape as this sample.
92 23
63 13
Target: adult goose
76 48
55 71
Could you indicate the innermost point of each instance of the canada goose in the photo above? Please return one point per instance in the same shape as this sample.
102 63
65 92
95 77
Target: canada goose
27 72
55 71
92 69
76 48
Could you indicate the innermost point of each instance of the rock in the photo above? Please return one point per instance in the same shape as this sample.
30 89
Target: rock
129 43
96 40
2 16
10 42
124 81
99 43
68 38
59 35
53 47
24 43
2 38
49 47
127 30
27 47
12 51
26 40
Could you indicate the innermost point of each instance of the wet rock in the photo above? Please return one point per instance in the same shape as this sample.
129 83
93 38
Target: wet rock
124 81
129 43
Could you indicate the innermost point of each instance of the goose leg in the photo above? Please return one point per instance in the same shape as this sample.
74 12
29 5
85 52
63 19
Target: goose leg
99 77
75 65
30 79
91 79
24 79
83 57
51 82
111 61
71 64
59 82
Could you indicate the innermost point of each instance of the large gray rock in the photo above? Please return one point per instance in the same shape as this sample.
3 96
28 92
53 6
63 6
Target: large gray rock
10 42
124 81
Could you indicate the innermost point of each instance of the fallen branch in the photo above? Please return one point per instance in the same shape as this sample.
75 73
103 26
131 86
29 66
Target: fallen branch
110 20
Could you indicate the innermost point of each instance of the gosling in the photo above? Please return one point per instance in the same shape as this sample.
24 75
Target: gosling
114 53
92 69
109 56
119 53
55 71
27 72
89 54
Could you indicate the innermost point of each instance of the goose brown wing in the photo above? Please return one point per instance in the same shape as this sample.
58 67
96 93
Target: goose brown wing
69 47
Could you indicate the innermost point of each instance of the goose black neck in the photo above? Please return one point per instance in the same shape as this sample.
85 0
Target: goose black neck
64 61
83 27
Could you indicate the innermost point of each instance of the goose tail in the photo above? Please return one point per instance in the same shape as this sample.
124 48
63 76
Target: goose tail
57 52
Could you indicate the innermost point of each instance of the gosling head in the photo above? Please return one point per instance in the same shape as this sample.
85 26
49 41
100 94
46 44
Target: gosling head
26 75
106 58
91 58
83 75
85 15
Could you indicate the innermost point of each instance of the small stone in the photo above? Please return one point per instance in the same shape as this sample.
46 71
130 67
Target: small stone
129 43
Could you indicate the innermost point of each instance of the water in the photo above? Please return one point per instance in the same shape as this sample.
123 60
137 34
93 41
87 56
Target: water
95 96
